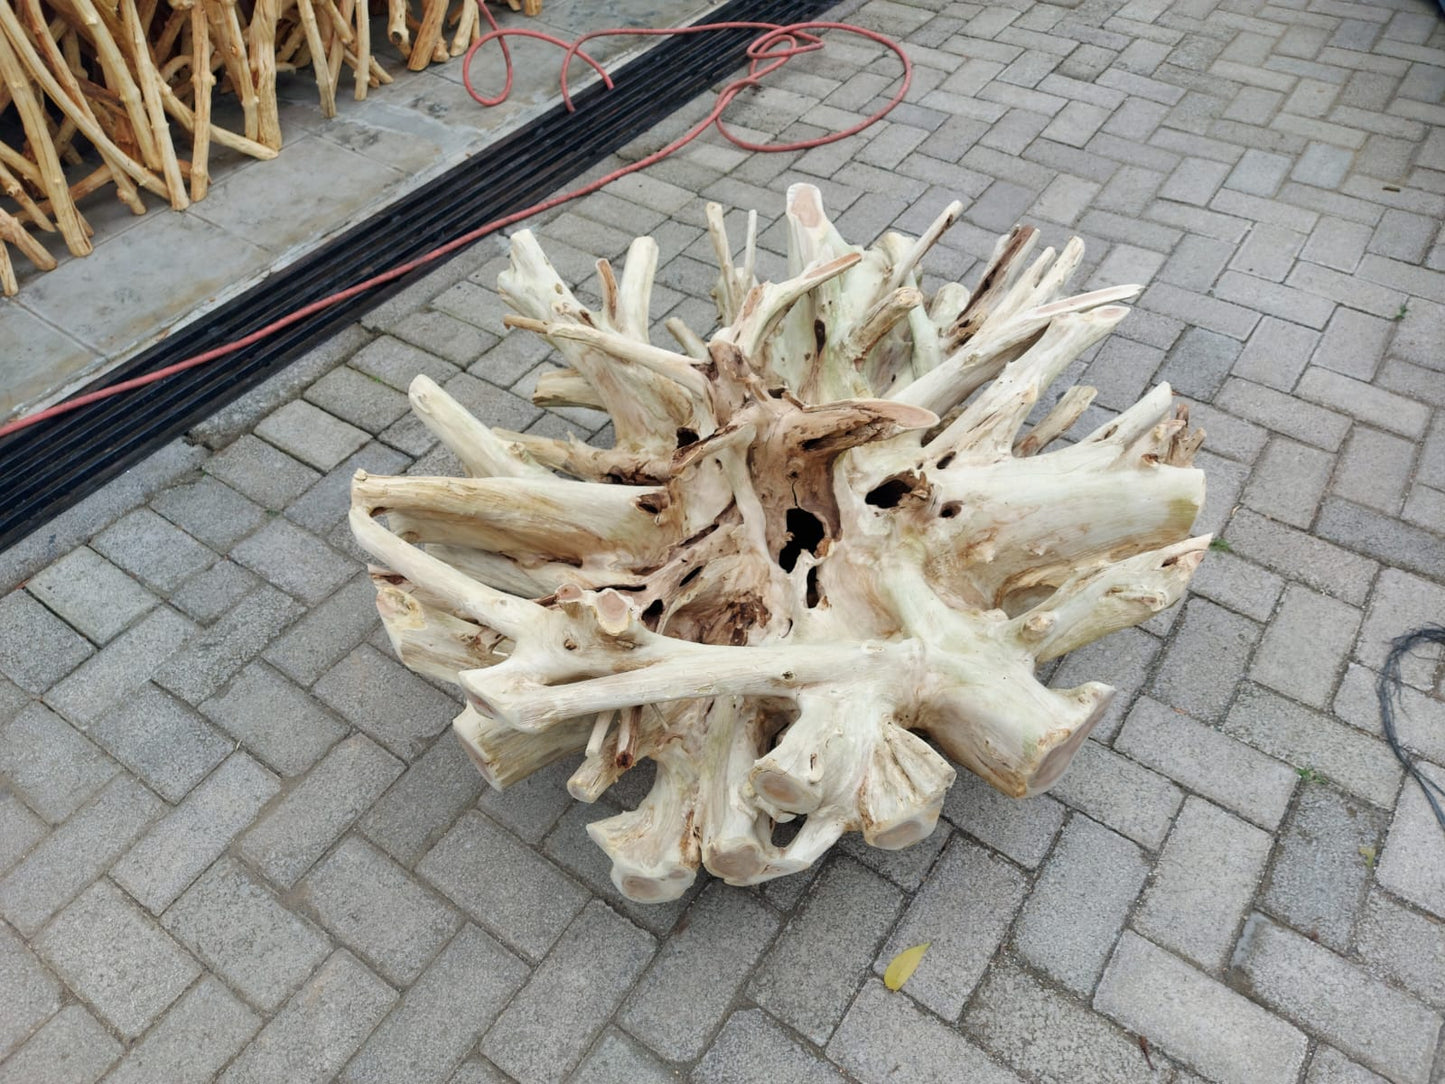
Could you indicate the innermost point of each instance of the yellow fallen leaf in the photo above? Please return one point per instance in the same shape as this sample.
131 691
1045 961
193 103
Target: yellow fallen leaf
902 966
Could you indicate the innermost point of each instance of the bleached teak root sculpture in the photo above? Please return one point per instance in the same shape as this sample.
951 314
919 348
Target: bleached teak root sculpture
817 537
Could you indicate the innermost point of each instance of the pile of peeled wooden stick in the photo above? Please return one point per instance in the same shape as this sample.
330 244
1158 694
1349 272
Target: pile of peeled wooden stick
428 45
118 94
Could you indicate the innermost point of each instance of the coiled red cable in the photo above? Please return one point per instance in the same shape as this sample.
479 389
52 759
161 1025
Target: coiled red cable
766 54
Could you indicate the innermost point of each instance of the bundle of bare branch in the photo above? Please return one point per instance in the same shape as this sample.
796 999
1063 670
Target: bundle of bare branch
421 39
818 536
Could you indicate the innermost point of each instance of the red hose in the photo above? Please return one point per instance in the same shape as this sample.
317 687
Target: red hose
766 54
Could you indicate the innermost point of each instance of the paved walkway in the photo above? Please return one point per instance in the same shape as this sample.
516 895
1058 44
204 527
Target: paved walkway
236 838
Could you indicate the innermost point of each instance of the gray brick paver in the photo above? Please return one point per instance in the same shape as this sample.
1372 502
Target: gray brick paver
1413 865
1071 944
1352 343
1238 584
294 560
1302 556
274 720
1374 470
53 766
1268 252
1199 363
37 649
752 1046
687 991
20 830
442 1015
546 1027
1346 289
1022 830
298 829
1201 888
1381 536
113 955
1205 660
32 994
111 679
1329 1066
1196 262
364 401
1120 793
1314 742
1305 646
312 1036
210 594
161 739
1285 414
1404 945
1325 993
1419 719
328 501
815 967
73 855
238 926
1225 770
318 439
1040 1031
377 910
478 1070
425 800
91 594
1276 353
1319 875
512 891
326 633
202 668
73 1047
268 476
616 1059
1365 402
1418 332
192 836
885 1036
210 511
200 1034
13 699
967 880
1191 1016
531 806
152 549
1337 243
390 703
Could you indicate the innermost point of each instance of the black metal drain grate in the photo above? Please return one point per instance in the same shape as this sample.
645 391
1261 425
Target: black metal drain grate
51 466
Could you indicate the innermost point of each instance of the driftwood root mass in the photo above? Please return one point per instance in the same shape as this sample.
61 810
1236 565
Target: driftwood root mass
832 531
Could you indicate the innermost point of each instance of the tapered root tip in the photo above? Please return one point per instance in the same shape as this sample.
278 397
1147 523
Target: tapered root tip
1057 758
784 791
644 889
903 833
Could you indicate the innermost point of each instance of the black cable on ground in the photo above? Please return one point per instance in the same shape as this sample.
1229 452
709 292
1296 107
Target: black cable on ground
1388 690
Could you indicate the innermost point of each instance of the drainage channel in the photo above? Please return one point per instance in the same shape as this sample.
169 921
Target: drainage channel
49 467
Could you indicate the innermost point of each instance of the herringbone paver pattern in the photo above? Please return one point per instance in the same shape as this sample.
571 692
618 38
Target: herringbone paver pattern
237 842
